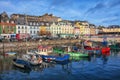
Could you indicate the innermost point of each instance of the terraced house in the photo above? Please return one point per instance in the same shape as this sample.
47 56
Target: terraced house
7 25
93 29
31 24
112 29
62 28
84 27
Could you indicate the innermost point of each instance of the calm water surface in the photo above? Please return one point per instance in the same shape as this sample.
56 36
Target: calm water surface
98 68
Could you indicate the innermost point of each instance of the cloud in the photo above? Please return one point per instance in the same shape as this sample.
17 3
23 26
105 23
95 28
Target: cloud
95 11
114 3
32 7
60 2
6 4
110 19
96 8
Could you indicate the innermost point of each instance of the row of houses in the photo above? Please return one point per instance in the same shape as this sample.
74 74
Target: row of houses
46 24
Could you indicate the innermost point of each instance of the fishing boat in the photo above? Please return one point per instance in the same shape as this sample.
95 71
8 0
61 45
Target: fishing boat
44 50
95 50
62 58
48 58
105 51
21 63
58 51
72 53
114 47
10 53
55 58
32 59
78 54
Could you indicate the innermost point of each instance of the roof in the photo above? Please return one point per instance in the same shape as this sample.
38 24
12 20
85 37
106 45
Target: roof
44 47
10 24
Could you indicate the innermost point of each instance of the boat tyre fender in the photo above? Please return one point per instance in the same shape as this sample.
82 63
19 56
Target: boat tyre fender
39 60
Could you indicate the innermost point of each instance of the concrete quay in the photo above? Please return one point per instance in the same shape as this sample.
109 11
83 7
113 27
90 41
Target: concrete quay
20 46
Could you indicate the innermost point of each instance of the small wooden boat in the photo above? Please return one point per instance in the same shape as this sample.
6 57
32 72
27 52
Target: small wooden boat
21 63
44 50
53 58
32 59
10 53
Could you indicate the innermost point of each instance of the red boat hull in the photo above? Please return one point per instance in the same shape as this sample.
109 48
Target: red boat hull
105 51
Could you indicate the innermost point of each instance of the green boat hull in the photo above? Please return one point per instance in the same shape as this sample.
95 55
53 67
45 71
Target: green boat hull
114 47
76 54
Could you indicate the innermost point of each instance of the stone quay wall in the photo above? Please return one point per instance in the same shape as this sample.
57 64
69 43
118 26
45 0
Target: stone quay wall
116 39
20 46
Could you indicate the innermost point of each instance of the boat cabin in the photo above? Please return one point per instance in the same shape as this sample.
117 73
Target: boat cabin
45 50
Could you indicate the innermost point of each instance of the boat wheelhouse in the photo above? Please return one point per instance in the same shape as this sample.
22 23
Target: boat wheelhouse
44 50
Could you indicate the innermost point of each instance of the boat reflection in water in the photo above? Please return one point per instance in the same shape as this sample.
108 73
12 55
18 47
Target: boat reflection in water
21 70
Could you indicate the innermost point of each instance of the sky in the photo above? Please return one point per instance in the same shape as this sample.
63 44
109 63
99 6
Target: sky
98 12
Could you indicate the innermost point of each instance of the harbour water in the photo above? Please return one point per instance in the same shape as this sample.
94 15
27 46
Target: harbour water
97 68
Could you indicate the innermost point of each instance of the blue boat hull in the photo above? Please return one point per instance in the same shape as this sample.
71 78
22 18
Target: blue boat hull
63 58
55 58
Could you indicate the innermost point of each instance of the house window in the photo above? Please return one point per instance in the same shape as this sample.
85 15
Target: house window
26 27
18 31
34 32
22 27
18 27
31 32
37 31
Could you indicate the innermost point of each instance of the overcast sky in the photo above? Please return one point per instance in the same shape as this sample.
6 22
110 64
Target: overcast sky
98 12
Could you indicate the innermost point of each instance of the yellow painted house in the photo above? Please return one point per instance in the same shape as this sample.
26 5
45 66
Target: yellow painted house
43 30
84 27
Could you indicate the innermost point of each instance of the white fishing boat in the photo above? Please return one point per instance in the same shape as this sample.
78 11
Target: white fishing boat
32 59
44 50
10 53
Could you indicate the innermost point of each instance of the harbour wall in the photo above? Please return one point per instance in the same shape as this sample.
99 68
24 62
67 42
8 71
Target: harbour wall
20 46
